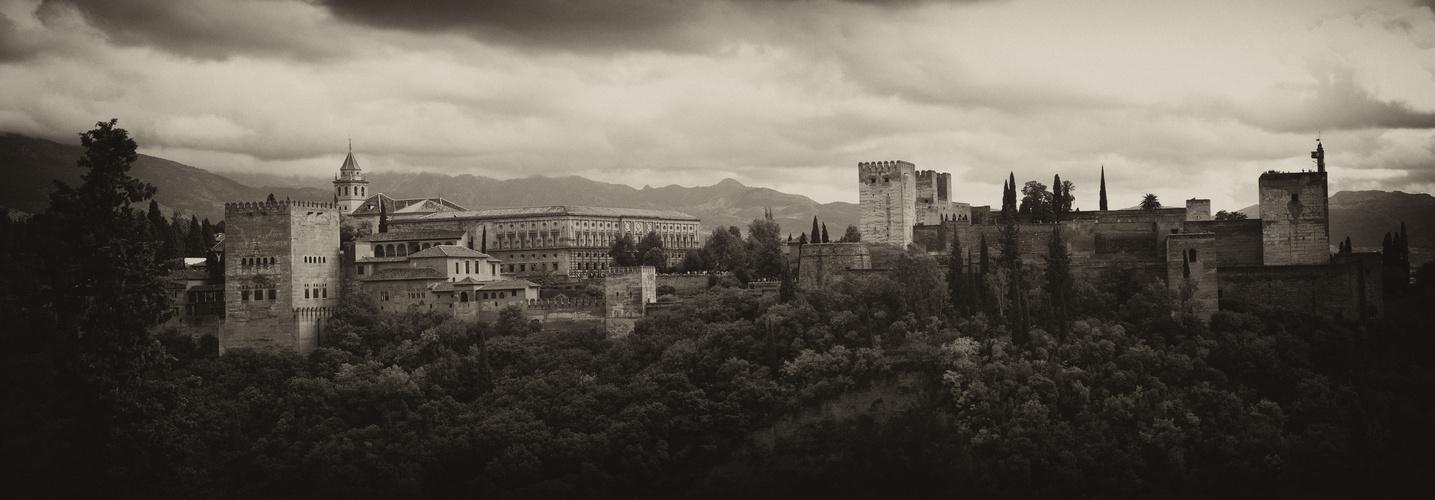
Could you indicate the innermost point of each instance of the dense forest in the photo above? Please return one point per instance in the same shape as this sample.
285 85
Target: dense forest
909 383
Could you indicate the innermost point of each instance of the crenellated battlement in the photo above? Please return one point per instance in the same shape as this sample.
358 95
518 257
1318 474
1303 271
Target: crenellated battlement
251 206
313 312
883 167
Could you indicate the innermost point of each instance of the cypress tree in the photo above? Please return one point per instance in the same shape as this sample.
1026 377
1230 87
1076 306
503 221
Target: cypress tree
384 217
815 232
957 279
1010 260
825 238
194 240
983 268
1103 187
802 240
1056 197
1058 280
207 231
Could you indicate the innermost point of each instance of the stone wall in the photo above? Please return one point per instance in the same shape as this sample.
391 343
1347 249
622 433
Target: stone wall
684 284
1198 210
1295 219
1238 242
887 193
823 264
1191 261
1346 290
626 293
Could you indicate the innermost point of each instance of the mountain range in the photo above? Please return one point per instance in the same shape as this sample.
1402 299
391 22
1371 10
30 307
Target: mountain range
28 167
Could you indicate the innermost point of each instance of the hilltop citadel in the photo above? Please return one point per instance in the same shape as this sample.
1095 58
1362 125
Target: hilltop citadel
284 264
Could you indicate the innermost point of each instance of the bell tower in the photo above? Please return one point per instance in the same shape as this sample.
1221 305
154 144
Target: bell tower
350 188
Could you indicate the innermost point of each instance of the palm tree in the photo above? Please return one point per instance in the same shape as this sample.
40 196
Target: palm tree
1149 202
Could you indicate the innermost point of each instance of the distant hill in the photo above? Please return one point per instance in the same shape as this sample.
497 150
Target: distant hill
30 166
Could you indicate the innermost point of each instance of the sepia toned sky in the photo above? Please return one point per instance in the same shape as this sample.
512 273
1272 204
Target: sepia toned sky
1181 99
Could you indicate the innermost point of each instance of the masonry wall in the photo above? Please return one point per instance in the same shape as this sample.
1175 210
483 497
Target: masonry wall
1198 210
933 202
626 291
824 264
1331 290
1295 218
684 284
1238 242
1191 261
887 194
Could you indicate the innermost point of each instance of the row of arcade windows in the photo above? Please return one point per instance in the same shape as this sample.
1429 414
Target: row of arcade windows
345 191
316 260
257 261
258 294
463 296
319 291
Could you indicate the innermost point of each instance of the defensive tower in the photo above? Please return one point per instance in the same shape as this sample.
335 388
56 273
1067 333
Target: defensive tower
888 194
350 187
281 274
1295 224
934 203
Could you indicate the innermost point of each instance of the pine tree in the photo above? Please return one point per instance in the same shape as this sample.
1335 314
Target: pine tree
983 269
161 232
1056 197
802 240
825 238
1103 188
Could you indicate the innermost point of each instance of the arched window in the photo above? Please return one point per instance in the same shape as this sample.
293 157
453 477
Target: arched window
426 246
389 250
463 297
379 251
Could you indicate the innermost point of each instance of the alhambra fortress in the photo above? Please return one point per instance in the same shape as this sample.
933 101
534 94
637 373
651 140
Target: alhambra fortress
284 263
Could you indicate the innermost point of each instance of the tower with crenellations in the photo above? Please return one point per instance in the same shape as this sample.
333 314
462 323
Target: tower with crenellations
281 274
934 203
888 197
350 186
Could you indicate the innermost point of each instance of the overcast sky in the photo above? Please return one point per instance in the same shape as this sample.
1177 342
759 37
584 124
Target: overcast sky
1181 99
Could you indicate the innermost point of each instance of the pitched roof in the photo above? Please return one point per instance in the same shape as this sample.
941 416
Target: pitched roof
561 210
350 163
405 274
415 235
371 205
508 285
448 251
442 286
207 288
468 281
371 260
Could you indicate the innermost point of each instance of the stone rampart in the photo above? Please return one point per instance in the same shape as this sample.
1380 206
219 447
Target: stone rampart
1295 221
823 264
1238 242
1191 263
684 284
1331 290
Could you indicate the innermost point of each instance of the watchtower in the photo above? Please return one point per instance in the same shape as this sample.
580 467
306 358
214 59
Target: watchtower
888 194
934 203
1295 224
350 187
281 274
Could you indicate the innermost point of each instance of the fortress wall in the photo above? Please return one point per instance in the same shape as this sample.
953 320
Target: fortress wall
1191 259
685 284
1327 290
823 264
1238 242
285 232
1198 210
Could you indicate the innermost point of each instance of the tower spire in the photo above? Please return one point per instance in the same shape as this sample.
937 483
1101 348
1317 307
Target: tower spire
1103 187
1319 155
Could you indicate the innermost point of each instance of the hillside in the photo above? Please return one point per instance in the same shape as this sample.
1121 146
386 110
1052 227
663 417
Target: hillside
1365 217
30 166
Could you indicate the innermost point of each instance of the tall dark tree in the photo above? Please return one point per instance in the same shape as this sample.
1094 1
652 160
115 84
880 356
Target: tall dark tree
104 295
958 283
1103 188
802 239
271 199
161 231
764 248
1010 261
825 238
207 231
650 251
194 241
383 216
984 268
1036 202
624 251
815 232
1059 281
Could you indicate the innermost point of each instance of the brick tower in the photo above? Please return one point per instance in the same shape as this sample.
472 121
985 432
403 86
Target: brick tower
888 194
281 274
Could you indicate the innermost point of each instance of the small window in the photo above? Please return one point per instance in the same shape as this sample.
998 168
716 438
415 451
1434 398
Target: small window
361 270
244 295
272 294
1192 254
306 293
1295 197
326 292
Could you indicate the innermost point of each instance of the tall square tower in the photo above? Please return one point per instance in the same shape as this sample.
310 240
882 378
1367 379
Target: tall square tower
281 274
888 195
1295 223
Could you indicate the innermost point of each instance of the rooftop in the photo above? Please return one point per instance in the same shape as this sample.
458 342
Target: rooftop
448 251
411 206
562 210
406 274
188 274
508 285
415 235
372 260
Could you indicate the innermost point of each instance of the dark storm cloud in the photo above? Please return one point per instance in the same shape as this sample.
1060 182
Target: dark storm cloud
206 29
1337 103
581 26
13 45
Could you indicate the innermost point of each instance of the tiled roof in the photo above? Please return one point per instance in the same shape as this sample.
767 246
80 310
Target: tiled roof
406 273
207 288
507 285
448 251
188 274
442 286
415 235
371 260
371 205
468 281
560 210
